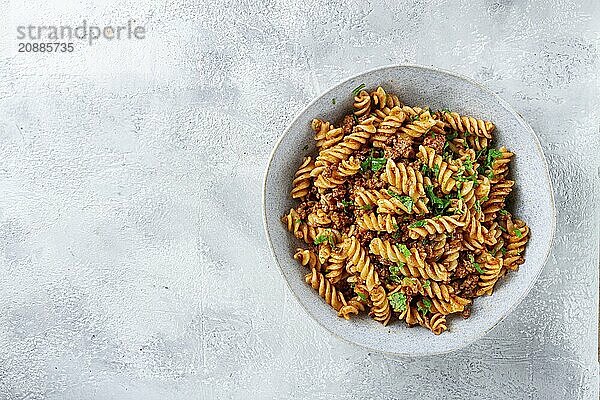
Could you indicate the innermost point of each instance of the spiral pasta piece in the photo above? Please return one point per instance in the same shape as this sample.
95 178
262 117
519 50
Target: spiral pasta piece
418 128
353 307
469 124
431 226
345 148
329 138
381 305
491 267
307 258
367 199
445 171
360 262
406 179
497 199
377 222
413 264
437 323
301 182
500 165
362 103
339 175
388 127
393 205
437 290
516 237
453 305
300 229
325 289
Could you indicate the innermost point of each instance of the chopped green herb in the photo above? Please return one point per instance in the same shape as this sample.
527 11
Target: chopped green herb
518 233
445 111
414 118
396 235
373 163
424 168
503 251
405 200
433 134
346 203
397 301
395 272
490 174
298 221
477 206
503 229
355 119
367 207
402 247
468 163
425 306
435 170
484 199
426 284
362 296
418 224
358 89
503 212
478 268
439 204
492 155
451 136
324 238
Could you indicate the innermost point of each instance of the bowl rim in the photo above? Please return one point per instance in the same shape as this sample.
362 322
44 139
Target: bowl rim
508 107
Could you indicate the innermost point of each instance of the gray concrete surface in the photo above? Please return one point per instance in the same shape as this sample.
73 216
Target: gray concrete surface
133 263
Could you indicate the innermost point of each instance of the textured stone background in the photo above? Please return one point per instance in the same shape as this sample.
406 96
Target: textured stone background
132 258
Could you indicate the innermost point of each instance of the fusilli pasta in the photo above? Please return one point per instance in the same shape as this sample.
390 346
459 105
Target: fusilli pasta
403 212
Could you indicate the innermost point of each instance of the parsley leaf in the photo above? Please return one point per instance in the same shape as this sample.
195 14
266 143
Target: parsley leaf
362 296
346 203
367 207
324 238
358 89
402 247
518 233
395 272
373 163
424 168
439 204
407 201
477 205
418 224
425 306
503 212
397 301
478 268
426 284
503 251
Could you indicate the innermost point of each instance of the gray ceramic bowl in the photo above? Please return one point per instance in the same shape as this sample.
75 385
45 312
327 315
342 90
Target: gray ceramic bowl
531 200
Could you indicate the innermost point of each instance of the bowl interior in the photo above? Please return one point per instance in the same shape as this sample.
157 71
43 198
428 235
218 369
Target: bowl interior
531 201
